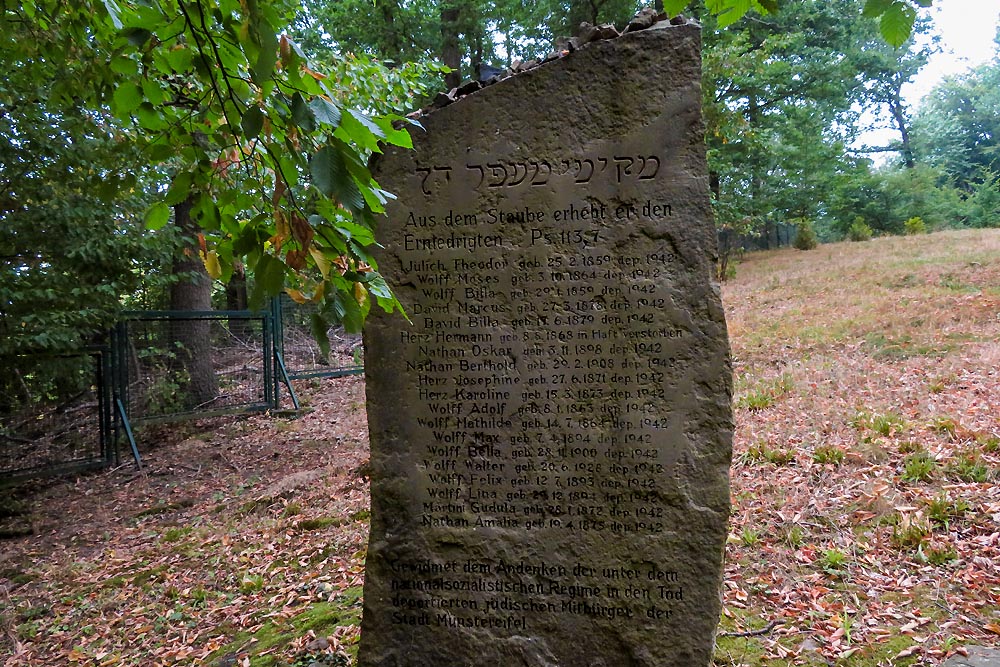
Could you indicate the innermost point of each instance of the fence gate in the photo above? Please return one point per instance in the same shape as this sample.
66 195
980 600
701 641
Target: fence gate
171 365
56 414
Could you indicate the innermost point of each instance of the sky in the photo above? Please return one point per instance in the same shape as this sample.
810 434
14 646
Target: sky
967 29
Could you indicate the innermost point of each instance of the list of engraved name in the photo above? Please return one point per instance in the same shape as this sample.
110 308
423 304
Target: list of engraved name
539 359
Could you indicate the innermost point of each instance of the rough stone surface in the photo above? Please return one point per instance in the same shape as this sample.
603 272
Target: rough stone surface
643 19
551 435
979 656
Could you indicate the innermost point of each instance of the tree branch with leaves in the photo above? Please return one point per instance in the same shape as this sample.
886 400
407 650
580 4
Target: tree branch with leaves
258 141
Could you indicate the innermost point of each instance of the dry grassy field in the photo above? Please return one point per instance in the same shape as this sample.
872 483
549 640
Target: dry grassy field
866 510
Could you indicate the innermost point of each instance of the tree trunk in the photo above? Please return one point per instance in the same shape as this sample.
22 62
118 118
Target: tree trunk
899 116
581 11
478 50
755 166
236 299
450 53
392 45
191 340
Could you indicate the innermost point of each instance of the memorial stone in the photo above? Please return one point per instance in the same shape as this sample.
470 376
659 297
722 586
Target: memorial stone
551 429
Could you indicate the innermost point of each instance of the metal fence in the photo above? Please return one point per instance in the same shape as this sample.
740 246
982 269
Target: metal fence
771 235
70 412
300 352
179 364
55 414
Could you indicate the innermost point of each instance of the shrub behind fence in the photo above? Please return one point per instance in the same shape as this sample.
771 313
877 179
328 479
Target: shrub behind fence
68 412
175 364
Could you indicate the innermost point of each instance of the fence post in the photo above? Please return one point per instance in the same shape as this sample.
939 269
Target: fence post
105 374
116 386
277 311
267 357
276 347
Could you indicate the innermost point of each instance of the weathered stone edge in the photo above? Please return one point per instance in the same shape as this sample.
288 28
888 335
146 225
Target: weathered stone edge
644 19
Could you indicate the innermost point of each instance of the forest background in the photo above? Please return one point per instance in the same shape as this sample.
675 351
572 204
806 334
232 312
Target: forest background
165 154
195 154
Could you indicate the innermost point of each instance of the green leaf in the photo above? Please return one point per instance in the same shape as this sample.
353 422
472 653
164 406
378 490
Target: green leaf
352 314
325 111
126 98
252 122
674 7
137 36
248 241
230 225
150 118
332 178
367 122
114 12
268 54
897 23
730 17
123 65
392 135
378 286
729 11
355 232
336 243
387 301
179 188
376 198
875 8
178 60
157 216
357 128
302 115
161 150
327 167
357 166
206 212
145 15
153 92
287 164
269 278
319 327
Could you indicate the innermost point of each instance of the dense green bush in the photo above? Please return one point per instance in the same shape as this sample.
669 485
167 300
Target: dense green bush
806 239
914 226
859 194
926 193
984 204
859 231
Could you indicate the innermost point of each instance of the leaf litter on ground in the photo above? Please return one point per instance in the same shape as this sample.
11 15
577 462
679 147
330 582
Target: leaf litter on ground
857 366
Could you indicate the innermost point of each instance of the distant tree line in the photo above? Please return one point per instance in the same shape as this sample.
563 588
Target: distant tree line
786 94
152 152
